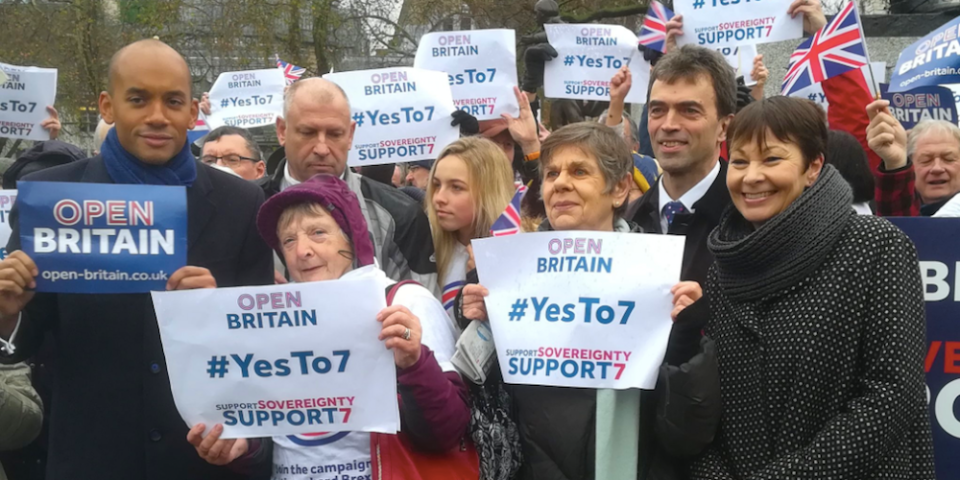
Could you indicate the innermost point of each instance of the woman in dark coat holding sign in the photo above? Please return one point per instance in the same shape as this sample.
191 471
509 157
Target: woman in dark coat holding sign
818 317
581 433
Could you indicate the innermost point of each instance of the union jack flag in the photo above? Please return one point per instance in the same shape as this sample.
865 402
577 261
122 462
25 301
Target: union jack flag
653 33
450 292
290 71
509 221
836 49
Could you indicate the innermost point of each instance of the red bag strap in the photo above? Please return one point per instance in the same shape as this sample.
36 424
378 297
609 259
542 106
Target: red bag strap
392 291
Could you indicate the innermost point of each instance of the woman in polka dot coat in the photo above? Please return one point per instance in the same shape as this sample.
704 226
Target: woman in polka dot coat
817 314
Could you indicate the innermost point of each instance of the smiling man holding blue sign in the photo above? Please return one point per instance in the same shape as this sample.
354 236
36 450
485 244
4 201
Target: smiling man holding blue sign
113 415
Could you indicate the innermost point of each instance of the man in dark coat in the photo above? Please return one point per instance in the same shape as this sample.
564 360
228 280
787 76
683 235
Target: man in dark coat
316 132
113 413
692 98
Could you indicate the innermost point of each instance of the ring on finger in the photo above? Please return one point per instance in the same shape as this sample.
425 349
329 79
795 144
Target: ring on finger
406 334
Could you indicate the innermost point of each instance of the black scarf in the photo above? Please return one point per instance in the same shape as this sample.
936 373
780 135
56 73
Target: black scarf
787 248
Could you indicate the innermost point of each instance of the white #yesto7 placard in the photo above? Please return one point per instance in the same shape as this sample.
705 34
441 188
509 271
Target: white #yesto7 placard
249 99
580 309
402 114
280 359
481 66
727 23
24 97
589 56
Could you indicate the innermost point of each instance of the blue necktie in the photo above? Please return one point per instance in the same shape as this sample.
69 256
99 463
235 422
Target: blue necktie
671 209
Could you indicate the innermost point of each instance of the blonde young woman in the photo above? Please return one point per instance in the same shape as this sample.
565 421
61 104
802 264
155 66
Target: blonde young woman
470 185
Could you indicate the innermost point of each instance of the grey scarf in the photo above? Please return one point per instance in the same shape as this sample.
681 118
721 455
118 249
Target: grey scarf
787 248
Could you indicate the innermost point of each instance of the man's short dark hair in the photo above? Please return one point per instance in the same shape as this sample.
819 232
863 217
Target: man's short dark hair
690 62
223 131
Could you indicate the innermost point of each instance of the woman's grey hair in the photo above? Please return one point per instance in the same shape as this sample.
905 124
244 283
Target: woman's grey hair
928 127
612 154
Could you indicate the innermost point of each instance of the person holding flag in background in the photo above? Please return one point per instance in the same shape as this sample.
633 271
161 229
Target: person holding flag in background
653 33
836 48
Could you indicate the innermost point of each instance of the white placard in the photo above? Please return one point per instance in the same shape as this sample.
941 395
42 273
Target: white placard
741 59
280 359
249 99
589 56
24 98
7 199
580 309
815 93
728 23
402 114
481 66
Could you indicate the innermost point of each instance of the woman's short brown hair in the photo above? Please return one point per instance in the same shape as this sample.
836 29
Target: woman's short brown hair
789 119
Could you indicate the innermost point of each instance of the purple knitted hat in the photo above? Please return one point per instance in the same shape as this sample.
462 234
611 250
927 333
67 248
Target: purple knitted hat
335 197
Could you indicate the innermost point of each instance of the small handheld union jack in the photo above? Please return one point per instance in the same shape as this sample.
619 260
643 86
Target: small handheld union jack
509 222
450 292
653 34
836 49
290 71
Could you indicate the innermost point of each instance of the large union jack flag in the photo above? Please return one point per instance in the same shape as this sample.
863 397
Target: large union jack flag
290 71
509 222
653 33
836 49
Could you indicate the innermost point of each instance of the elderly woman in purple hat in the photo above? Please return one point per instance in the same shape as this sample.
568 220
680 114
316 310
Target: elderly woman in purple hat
318 229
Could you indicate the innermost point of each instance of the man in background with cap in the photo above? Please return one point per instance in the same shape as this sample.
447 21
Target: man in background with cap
418 173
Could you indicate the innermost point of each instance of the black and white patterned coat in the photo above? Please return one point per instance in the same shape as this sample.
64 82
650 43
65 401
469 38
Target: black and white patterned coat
822 377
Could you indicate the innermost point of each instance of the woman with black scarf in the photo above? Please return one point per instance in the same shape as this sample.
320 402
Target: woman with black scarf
818 317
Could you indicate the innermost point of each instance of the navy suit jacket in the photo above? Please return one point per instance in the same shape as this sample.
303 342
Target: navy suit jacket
113 415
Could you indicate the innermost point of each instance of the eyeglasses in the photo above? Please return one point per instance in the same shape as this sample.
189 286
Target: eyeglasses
231 160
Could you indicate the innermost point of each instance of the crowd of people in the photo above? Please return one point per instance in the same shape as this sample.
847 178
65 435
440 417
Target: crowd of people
797 345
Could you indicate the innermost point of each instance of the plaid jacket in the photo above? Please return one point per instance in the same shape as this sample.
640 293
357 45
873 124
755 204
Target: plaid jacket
896 194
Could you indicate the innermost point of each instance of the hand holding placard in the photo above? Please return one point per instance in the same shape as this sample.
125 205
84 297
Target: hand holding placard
214 450
728 23
402 332
25 96
561 317
18 276
812 11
